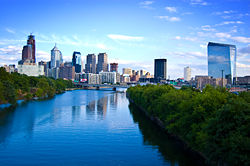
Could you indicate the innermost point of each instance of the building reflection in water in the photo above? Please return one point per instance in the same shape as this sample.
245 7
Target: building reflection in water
102 105
76 112
98 108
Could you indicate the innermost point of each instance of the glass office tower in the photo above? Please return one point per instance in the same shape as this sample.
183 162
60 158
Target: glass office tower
222 61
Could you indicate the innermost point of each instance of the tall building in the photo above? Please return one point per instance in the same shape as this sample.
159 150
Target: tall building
31 41
102 64
113 67
77 62
90 66
56 57
127 71
28 52
67 71
142 72
160 69
187 73
222 61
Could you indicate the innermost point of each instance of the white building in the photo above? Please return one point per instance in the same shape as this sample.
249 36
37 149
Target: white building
56 57
187 73
109 77
31 69
90 78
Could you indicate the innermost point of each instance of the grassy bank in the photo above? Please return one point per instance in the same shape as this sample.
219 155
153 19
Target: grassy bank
16 86
215 122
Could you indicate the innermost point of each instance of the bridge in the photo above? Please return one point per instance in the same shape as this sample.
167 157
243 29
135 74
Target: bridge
100 86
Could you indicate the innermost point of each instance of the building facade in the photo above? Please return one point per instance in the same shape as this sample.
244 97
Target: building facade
77 61
56 57
160 69
109 77
31 69
187 73
113 67
222 61
102 64
127 71
90 66
67 71
29 51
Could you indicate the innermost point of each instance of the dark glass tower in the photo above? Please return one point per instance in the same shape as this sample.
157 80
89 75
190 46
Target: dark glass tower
31 41
113 67
160 70
222 61
90 66
77 62
102 64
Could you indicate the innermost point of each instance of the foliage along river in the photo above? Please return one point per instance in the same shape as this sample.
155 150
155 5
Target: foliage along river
84 127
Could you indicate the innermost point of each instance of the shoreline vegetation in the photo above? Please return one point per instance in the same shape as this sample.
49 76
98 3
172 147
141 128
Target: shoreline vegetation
15 86
213 123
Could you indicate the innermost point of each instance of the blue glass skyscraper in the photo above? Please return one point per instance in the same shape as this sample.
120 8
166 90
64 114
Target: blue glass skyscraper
222 61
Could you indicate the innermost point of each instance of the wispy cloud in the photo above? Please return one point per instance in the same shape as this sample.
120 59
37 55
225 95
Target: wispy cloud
125 37
229 22
146 4
186 38
9 30
240 39
207 28
171 9
167 18
198 2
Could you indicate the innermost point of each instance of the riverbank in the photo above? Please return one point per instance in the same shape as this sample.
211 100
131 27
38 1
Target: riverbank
213 123
195 154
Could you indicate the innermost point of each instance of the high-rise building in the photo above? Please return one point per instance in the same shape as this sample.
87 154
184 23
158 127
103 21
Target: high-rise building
222 61
77 61
90 66
67 71
142 72
113 67
31 41
160 69
102 64
187 73
127 71
28 52
56 57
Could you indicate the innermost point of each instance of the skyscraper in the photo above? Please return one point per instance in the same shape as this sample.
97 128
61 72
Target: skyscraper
31 41
102 64
160 69
56 57
77 61
113 67
29 50
90 66
222 61
187 73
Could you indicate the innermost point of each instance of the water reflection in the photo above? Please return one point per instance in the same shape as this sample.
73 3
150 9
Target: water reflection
171 150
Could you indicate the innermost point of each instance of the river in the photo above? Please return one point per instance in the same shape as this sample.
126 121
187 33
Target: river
85 127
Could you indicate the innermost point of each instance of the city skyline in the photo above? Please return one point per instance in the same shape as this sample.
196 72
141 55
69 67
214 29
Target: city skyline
178 31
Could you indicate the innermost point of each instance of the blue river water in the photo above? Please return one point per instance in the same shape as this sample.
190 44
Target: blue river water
84 127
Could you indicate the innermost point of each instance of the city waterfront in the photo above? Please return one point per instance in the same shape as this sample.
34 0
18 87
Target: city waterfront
85 127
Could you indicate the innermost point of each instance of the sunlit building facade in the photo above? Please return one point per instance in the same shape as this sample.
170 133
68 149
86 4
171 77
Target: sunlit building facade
222 61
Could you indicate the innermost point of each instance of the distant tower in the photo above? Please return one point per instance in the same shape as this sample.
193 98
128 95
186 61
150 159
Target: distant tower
32 42
222 61
113 67
160 69
29 50
77 61
187 73
56 57
102 64
90 66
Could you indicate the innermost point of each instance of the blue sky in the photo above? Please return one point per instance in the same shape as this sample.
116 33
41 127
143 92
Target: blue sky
132 32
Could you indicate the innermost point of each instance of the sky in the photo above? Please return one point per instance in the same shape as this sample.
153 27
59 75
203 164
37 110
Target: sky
132 32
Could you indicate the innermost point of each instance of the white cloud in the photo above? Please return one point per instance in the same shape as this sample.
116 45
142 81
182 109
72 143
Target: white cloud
241 39
171 19
222 35
146 4
229 22
10 30
207 28
171 9
125 37
186 38
42 55
198 2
